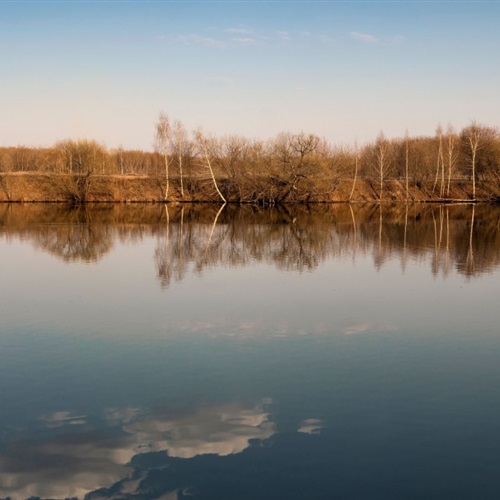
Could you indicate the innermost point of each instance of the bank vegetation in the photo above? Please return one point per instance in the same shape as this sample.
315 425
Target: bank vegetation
194 166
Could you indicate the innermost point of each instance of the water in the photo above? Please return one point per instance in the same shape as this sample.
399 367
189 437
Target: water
208 353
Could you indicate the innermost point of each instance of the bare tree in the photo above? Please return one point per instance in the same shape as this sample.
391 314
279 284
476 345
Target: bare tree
472 138
163 137
356 165
294 160
439 162
452 154
381 151
203 144
407 165
180 136
65 150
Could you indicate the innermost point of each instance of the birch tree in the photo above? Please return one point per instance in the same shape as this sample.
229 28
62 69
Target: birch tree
356 165
407 165
203 145
180 137
381 152
439 162
451 153
163 139
472 139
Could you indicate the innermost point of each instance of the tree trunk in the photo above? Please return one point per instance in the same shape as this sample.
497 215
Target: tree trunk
355 173
209 165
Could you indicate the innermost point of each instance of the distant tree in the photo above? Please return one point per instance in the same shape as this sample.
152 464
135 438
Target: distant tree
82 157
120 157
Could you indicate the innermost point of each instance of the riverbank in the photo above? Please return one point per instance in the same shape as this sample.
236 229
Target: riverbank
65 188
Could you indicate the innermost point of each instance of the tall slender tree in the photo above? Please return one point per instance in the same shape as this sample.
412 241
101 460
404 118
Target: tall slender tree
180 137
452 154
381 151
163 139
472 139
356 165
203 144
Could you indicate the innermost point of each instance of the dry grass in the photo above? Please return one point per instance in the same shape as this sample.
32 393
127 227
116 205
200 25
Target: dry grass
39 187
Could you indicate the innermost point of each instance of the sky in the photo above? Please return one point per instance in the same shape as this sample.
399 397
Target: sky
344 70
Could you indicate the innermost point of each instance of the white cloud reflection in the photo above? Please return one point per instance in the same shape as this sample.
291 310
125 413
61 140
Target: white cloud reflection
61 418
61 468
221 430
243 328
357 328
74 464
369 327
310 426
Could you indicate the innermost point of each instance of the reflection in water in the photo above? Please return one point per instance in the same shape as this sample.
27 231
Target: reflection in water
310 425
294 238
73 463
365 370
68 233
221 430
470 264
77 242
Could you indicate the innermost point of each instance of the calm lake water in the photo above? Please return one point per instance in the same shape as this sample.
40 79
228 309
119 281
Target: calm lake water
207 353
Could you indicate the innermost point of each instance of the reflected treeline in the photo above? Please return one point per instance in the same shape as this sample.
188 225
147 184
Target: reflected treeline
192 237
79 233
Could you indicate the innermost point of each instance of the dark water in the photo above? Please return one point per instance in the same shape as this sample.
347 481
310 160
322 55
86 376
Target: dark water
341 352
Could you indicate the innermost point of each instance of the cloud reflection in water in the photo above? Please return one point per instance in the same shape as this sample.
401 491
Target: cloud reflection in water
73 464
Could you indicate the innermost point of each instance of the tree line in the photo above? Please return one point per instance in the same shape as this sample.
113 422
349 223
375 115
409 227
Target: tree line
289 167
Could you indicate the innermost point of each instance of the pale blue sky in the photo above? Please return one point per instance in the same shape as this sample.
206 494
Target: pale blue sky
342 69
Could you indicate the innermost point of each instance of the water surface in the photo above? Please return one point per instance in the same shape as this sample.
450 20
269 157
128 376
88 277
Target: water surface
222 353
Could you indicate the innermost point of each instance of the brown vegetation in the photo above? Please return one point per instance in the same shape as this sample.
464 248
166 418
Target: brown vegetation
290 168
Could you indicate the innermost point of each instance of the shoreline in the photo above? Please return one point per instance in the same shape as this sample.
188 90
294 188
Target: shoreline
29 187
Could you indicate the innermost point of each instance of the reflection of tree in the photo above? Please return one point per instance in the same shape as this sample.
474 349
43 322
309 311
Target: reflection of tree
211 246
296 249
82 233
238 236
355 233
162 256
80 240
470 264
379 249
192 238
405 234
440 258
